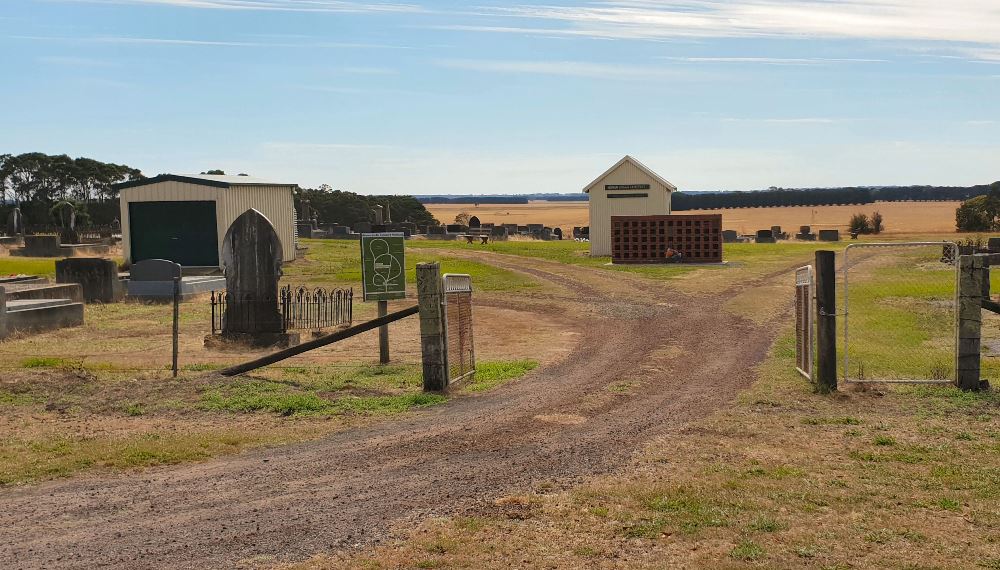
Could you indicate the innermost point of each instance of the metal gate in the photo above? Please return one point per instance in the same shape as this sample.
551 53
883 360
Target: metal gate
461 354
805 322
900 312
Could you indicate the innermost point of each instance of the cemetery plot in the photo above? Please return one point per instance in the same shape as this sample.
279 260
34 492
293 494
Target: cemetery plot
899 301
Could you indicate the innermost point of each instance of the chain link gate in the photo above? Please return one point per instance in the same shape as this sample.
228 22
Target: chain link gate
461 354
805 321
900 312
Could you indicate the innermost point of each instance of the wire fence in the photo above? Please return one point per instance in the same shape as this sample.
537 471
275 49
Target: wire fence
458 321
899 312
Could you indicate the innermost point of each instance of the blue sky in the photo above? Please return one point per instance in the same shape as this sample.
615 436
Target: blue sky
437 97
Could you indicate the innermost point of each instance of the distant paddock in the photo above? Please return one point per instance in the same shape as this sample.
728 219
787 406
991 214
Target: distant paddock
900 217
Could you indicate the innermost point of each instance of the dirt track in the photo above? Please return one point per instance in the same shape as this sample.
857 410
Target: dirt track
670 358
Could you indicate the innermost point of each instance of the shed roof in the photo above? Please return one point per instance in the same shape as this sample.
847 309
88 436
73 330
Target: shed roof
215 180
639 165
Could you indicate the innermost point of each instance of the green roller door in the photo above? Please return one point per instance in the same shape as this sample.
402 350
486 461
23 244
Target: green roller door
183 232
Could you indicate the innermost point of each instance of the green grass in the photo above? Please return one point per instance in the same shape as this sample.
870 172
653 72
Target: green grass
491 374
41 266
49 362
28 459
338 262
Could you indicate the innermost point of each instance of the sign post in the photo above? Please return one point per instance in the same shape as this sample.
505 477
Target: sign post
383 277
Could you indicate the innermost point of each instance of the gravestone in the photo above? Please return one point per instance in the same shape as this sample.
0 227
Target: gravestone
765 236
435 230
154 270
363 227
474 222
993 245
251 260
457 229
97 277
557 233
44 245
730 236
829 235
498 232
15 222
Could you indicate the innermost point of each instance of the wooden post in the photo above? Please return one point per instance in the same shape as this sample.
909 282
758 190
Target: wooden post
3 312
433 346
383 334
826 321
177 304
968 330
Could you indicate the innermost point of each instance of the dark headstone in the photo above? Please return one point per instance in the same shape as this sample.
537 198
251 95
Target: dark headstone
474 222
98 278
15 222
730 236
765 236
379 228
363 227
557 233
251 260
457 229
993 245
41 246
585 232
154 270
498 232
829 235
803 230
436 230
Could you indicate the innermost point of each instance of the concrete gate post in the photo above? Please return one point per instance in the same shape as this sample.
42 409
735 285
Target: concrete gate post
971 271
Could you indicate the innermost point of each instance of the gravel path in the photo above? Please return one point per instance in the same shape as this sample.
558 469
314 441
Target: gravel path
674 358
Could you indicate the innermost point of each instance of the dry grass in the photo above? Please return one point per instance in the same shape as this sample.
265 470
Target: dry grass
900 217
907 478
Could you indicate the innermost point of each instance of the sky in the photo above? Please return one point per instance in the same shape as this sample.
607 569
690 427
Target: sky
446 97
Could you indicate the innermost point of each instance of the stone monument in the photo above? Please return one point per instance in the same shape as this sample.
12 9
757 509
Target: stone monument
15 222
251 260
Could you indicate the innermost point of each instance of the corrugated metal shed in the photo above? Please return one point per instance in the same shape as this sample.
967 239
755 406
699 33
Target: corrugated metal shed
628 188
232 195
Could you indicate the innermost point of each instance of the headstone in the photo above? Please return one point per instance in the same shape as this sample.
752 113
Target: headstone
154 270
803 230
777 233
97 277
363 227
730 236
577 232
523 230
46 245
993 245
829 235
251 260
474 222
765 236
557 233
498 232
15 222
379 228
435 230
585 232
457 229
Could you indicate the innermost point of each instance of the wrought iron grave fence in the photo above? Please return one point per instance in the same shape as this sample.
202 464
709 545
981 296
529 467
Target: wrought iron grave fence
300 308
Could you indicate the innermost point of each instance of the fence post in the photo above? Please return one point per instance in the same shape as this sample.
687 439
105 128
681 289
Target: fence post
433 345
177 303
968 330
826 321
3 312
383 334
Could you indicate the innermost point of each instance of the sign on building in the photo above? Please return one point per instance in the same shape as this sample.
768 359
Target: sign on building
383 271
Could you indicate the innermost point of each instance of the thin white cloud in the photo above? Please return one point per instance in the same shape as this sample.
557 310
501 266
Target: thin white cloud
787 121
310 146
269 5
562 68
955 20
794 61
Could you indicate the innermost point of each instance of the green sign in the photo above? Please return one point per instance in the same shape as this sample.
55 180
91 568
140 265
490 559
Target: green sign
383 271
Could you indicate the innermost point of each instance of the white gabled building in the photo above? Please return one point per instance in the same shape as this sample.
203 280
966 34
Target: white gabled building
629 188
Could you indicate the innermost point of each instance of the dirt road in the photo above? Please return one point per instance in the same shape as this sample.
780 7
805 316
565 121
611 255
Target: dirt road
647 361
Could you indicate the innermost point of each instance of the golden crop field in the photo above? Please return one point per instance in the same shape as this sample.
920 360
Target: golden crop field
900 217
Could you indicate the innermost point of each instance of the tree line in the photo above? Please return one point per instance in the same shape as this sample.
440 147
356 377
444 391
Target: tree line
36 182
774 197
347 208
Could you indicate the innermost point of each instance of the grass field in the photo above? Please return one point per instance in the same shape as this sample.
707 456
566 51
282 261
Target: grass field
900 217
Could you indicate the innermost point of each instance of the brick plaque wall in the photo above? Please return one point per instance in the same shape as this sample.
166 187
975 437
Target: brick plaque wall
645 239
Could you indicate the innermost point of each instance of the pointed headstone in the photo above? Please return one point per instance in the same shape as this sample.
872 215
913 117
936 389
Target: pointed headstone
251 260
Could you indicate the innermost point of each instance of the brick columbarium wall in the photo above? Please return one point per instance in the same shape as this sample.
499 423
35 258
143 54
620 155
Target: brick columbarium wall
645 239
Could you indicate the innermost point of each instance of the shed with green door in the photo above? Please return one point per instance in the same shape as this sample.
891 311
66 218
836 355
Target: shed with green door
184 218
